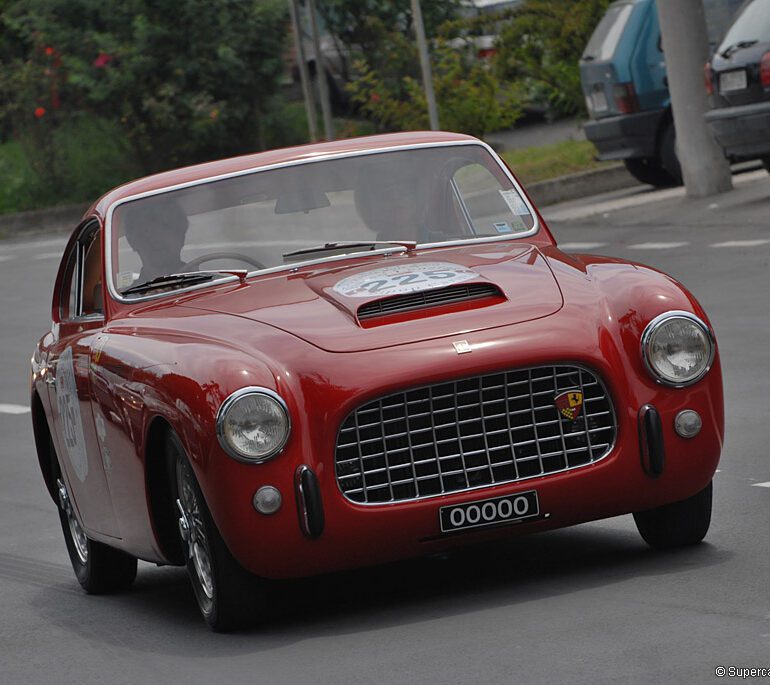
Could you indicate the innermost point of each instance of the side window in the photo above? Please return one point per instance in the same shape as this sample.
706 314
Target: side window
81 293
92 277
68 302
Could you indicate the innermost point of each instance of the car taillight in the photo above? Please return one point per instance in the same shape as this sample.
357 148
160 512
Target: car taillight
764 70
625 98
708 76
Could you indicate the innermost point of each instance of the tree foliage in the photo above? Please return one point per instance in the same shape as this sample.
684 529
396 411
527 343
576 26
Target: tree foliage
470 98
356 25
540 45
186 80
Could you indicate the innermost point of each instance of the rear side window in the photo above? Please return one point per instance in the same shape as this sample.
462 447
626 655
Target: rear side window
604 40
752 24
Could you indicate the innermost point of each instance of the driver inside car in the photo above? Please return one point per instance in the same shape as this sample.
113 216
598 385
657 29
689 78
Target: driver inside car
156 229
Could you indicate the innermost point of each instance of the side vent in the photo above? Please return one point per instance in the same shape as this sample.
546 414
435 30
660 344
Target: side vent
426 299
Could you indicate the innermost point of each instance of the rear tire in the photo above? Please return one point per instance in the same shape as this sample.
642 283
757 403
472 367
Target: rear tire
100 569
669 161
648 170
678 524
228 596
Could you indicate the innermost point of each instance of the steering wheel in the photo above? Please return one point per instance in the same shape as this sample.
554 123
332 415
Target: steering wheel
195 263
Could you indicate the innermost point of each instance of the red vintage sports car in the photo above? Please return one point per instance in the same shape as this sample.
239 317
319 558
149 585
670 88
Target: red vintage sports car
342 354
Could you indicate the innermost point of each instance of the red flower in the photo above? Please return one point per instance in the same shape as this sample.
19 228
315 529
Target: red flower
375 98
102 60
49 51
39 112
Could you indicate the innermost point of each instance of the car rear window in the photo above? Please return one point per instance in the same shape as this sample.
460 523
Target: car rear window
604 40
752 24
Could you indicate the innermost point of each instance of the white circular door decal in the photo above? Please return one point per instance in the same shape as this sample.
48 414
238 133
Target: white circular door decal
403 278
69 412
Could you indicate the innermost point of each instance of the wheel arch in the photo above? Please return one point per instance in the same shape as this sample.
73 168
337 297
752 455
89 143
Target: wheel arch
46 455
159 500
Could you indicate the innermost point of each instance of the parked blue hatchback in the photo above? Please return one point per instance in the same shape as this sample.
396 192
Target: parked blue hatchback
623 74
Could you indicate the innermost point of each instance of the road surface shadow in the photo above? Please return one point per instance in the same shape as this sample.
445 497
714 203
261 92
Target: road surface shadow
159 614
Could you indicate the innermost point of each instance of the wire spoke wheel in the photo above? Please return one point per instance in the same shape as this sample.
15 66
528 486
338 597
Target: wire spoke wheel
79 539
192 530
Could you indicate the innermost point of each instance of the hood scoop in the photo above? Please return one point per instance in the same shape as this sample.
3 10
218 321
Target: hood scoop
428 299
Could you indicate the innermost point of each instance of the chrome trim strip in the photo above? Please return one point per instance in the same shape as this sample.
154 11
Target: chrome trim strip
295 265
225 407
650 329
513 483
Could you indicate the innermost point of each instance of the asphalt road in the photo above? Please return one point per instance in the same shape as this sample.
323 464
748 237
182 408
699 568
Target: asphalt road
590 604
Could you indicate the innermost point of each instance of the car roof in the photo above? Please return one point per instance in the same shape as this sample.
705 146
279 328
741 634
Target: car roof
200 172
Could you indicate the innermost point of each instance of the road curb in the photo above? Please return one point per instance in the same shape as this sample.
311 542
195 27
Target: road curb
59 219
64 218
581 184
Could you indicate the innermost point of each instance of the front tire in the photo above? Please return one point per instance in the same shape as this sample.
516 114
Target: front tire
227 595
766 163
678 524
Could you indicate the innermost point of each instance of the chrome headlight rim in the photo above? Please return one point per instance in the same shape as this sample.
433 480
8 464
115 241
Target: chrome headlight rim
231 400
654 325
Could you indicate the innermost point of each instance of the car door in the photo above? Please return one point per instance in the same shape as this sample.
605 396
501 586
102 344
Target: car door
80 317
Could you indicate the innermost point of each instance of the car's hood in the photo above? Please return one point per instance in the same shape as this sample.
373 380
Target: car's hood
321 304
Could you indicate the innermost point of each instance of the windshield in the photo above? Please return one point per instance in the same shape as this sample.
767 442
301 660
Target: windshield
259 219
752 24
605 38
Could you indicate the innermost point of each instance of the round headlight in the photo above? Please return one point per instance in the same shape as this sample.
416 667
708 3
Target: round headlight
678 348
253 424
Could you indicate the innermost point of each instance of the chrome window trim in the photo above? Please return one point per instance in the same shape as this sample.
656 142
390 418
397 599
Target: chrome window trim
225 407
650 329
511 483
296 265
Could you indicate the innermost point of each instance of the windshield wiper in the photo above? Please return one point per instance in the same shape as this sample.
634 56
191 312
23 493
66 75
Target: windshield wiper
185 278
731 49
350 245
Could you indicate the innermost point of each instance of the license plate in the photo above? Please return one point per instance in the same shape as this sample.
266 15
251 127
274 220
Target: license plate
599 101
732 80
488 512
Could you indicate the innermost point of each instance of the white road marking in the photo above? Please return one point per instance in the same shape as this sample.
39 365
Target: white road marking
760 485
13 409
48 255
580 246
657 246
6 257
741 243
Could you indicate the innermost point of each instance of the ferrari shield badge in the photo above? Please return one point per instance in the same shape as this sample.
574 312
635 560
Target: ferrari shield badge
569 403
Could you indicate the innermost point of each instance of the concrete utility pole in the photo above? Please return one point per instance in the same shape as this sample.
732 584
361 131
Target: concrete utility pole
320 71
307 91
685 46
427 76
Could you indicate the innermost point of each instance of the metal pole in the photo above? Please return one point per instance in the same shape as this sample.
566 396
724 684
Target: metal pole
427 77
307 92
685 46
320 70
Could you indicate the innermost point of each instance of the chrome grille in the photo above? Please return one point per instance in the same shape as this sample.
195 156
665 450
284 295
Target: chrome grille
465 434
427 298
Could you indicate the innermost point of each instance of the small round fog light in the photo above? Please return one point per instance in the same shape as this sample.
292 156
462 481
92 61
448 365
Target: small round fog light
267 500
687 423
